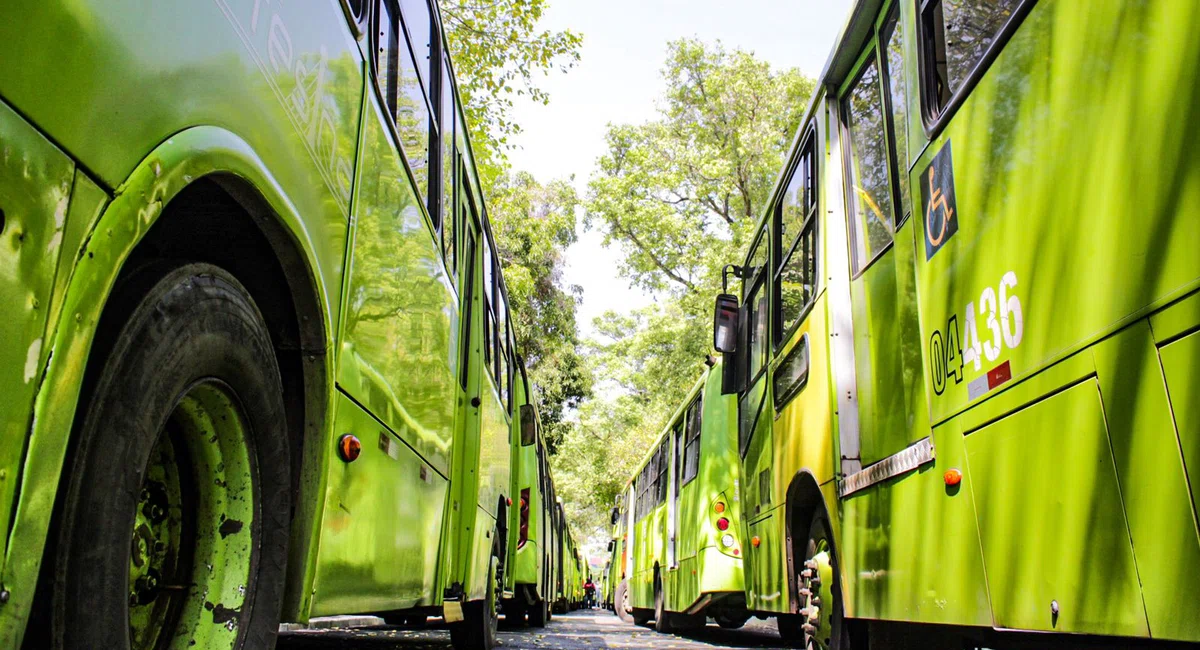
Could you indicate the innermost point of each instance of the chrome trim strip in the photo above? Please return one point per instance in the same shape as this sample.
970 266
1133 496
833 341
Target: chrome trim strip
905 461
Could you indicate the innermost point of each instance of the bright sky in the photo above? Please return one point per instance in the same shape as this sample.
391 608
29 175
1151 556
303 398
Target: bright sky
617 80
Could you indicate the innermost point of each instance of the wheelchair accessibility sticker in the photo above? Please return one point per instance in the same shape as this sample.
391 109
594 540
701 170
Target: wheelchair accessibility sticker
937 202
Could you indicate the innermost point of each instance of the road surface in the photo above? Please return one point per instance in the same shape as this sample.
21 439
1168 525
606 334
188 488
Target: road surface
595 628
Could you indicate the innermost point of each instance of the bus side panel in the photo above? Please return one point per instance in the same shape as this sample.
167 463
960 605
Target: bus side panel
399 351
910 547
766 575
380 537
35 190
1180 361
286 78
1152 474
1065 517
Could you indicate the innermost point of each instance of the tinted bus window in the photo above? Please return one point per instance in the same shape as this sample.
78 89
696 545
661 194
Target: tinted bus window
387 54
691 449
796 280
873 215
448 159
419 23
957 34
893 68
414 124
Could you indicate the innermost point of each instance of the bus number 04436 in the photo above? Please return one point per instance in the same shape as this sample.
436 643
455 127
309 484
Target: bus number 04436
1000 310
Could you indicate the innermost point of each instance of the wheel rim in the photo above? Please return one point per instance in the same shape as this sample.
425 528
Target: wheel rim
191 552
816 588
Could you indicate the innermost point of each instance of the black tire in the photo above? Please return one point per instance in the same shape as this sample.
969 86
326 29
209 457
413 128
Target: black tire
538 613
791 626
477 630
663 621
174 330
621 605
514 613
730 621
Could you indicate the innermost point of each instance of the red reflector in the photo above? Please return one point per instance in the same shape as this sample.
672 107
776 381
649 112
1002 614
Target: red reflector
722 524
952 477
349 448
736 552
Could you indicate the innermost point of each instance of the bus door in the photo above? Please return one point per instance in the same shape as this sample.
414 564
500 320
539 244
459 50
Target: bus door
673 500
887 361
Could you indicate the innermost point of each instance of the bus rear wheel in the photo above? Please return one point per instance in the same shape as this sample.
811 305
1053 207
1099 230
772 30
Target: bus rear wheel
663 623
174 523
819 624
538 613
621 605
477 630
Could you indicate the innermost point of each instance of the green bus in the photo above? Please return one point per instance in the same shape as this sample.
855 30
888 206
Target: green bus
529 540
618 552
685 546
966 340
257 328
568 585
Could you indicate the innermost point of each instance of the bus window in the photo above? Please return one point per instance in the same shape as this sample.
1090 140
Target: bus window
893 75
489 318
387 53
956 35
419 22
691 448
796 279
871 194
469 275
414 124
678 436
661 481
448 159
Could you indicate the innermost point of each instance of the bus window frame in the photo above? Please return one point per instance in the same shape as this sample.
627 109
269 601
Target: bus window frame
869 55
385 101
692 439
811 222
934 120
358 23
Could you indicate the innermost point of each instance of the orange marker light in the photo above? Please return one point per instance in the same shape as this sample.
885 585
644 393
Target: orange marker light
720 507
349 448
755 541
952 477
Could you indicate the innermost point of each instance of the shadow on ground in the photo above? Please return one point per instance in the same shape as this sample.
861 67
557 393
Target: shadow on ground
576 631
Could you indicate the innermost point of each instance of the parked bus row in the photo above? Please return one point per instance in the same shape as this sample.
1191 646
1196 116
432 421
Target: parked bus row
973 425
258 361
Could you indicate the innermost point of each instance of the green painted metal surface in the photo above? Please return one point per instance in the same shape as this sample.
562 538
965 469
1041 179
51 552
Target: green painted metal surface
1179 361
35 188
145 101
699 563
1071 181
1068 515
380 536
399 353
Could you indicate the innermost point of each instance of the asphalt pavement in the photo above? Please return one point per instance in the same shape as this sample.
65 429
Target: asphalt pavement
578 630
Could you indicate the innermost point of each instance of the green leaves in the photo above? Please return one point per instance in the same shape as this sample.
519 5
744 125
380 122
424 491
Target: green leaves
680 196
497 52
533 225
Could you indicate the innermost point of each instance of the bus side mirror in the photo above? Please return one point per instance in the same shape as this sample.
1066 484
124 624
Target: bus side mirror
725 324
616 515
528 425
612 545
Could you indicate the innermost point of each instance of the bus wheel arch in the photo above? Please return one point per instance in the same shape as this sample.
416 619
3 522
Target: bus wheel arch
224 220
804 501
243 236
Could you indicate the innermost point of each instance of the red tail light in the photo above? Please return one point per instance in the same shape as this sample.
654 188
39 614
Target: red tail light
722 524
523 531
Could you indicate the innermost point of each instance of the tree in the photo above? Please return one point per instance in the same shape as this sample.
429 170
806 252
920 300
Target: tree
533 225
497 50
680 194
